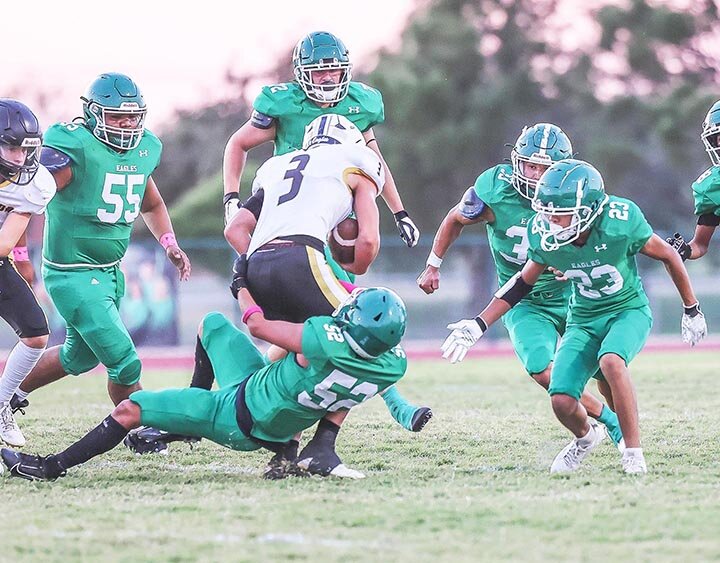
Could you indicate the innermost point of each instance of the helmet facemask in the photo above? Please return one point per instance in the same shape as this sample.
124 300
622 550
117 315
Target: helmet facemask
122 138
521 182
325 92
552 235
22 173
711 140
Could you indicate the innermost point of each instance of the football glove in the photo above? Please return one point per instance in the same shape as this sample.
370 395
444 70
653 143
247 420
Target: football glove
464 335
239 280
231 202
681 247
407 228
693 325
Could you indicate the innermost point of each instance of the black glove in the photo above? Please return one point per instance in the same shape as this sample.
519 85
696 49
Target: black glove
231 204
239 280
681 247
407 228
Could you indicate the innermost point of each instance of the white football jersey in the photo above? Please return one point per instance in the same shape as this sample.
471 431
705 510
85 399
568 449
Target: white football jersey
306 191
32 198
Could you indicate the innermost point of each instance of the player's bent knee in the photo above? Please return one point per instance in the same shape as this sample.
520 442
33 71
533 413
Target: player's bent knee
129 372
128 414
212 321
37 342
542 378
612 365
564 405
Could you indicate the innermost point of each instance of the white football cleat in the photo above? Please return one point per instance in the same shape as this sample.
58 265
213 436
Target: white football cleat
9 430
571 456
633 462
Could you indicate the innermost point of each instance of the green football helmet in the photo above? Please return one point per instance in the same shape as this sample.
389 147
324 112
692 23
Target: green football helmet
321 50
372 321
571 188
543 143
115 94
710 133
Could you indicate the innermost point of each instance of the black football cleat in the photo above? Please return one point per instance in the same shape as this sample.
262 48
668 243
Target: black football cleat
149 440
18 404
320 459
31 467
281 464
421 417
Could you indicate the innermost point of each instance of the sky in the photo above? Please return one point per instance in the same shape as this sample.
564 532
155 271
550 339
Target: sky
177 52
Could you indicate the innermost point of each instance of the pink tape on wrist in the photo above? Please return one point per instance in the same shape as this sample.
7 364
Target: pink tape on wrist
348 286
168 239
21 254
251 311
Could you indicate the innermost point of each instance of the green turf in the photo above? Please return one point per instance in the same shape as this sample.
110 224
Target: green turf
474 485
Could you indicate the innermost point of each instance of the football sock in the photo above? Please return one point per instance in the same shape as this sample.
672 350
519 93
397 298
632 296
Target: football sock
203 374
612 423
19 363
326 433
104 437
399 408
21 394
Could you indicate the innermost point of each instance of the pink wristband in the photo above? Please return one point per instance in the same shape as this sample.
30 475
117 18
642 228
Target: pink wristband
251 311
20 254
168 239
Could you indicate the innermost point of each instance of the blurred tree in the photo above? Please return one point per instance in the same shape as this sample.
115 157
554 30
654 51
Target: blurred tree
629 83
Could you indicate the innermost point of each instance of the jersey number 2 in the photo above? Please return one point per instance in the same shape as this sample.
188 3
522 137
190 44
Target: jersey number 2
294 174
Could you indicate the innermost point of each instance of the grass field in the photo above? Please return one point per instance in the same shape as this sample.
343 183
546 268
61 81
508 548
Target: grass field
474 485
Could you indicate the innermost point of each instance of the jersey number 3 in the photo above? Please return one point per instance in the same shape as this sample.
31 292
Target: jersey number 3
294 174
124 205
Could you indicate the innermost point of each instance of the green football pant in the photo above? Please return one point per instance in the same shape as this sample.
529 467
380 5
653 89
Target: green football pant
582 346
534 332
208 414
89 301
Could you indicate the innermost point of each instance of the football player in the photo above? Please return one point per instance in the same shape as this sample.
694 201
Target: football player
323 84
355 352
298 198
592 239
26 187
501 198
706 193
102 164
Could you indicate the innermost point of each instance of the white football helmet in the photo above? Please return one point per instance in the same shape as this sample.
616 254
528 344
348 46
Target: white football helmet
331 129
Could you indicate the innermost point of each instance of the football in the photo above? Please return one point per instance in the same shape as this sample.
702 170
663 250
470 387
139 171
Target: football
342 240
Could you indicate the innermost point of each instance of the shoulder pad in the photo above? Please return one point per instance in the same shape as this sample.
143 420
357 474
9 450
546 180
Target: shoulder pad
274 100
471 206
371 101
53 159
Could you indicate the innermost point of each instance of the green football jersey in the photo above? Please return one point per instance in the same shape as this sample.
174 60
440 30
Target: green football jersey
508 233
603 271
293 111
90 220
285 398
706 192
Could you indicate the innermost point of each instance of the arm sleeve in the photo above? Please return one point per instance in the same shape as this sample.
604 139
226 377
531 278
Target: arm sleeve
471 206
254 203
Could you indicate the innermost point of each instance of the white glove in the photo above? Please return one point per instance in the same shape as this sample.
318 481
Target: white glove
407 228
693 325
231 203
464 335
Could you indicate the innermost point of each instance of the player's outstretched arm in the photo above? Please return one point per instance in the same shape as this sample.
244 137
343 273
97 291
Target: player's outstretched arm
448 232
234 159
701 239
407 228
693 325
281 333
157 218
466 332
